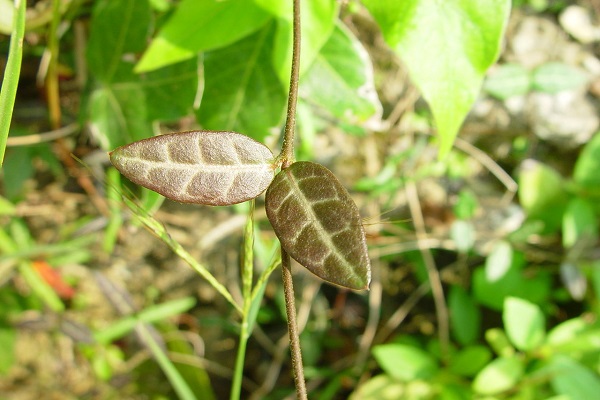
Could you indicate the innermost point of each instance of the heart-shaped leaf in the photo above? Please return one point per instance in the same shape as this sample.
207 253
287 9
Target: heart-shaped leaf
318 224
201 167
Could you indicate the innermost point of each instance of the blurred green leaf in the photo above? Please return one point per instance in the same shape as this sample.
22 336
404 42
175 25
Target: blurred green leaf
465 317
170 91
380 387
588 164
524 323
508 80
341 80
404 362
575 336
579 223
570 378
574 280
117 28
555 77
242 92
118 116
542 194
499 342
317 24
498 376
470 360
448 62
17 169
116 109
121 104
6 207
466 204
198 26
194 373
566 331
463 235
150 314
498 261
596 277
8 337
453 391
532 286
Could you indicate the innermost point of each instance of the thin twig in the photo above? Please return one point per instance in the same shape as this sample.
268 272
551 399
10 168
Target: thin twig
432 272
37 138
372 167
492 166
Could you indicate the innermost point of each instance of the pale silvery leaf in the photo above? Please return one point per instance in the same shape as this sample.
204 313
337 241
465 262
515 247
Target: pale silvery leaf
201 167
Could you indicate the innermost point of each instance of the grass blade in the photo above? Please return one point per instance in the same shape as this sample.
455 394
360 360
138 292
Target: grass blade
11 74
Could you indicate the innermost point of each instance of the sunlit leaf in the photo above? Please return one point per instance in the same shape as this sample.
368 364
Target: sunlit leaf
317 24
241 90
201 167
573 379
498 261
198 26
447 47
318 224
542 194
341 80
404 362
501 374
524 323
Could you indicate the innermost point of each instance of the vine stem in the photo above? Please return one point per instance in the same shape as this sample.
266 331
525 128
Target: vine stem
287 158
287 150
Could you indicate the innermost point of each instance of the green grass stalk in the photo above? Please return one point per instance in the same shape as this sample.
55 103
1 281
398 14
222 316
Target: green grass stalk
12 72
247 272
179 384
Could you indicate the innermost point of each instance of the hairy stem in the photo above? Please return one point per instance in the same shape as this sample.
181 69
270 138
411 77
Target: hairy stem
287 158
287 150
290 308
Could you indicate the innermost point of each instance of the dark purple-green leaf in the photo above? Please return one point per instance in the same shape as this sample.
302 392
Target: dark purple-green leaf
201 167
318 224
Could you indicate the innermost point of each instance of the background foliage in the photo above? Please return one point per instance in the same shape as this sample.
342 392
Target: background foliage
485 276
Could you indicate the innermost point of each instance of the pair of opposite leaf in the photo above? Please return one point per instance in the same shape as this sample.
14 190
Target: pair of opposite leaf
312 214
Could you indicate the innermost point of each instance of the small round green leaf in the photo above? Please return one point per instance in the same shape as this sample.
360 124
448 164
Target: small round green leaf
404 362
524 323
498 376
200 167
318 224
